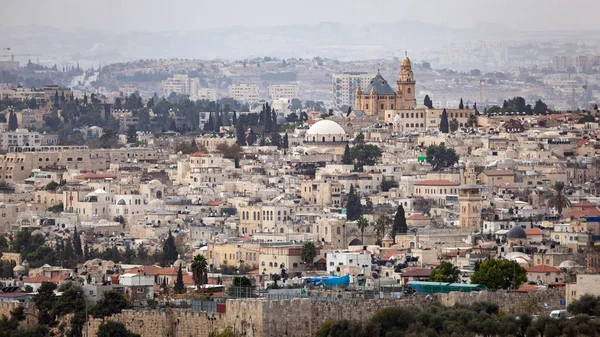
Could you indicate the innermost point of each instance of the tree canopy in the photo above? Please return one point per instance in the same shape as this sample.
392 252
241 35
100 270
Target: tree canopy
440 157
445 272
500 274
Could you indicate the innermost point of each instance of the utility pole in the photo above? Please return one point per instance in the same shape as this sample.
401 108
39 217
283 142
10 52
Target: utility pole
86 318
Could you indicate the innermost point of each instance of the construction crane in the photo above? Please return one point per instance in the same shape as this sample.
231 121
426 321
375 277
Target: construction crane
12 56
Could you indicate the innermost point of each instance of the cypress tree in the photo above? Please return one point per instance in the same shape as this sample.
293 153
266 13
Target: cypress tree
399 226
347 159
234 119
169 250
461 105
349 111
353 206
428 102
444 127
285 144
179 287
208 125
77 243
12 122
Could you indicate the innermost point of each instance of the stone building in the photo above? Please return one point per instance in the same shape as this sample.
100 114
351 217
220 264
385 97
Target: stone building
379 96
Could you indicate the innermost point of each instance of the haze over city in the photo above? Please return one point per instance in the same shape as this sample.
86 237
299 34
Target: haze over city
310 168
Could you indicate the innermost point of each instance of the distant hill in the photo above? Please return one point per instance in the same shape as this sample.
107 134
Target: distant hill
346 41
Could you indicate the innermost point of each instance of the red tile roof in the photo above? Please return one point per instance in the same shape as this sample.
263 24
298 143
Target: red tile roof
95 176
583 204
58 278
417 216
149 270
188 280
415 272
198 154
497 173
212 203
533 231
542 268
37 279
436 183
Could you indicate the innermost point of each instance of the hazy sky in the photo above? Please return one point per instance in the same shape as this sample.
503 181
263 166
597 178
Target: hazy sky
177 15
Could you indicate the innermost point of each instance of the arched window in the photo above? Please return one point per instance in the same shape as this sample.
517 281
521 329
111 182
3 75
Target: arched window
407 125
325 230
254 215
408 90
412 115
412 125
421 124
323 140
338 230
333 139
314 139
402 115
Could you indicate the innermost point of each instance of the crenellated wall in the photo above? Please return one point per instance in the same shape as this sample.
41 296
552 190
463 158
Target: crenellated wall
303 317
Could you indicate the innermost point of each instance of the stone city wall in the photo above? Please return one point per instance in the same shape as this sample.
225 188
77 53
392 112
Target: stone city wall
303 317
30 312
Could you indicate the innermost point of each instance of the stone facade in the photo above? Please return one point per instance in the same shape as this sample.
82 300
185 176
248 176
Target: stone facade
303 317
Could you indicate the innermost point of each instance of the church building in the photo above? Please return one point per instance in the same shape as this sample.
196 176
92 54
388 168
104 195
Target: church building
379 96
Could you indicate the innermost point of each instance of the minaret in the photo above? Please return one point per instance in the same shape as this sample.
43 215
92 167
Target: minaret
406 86
469 200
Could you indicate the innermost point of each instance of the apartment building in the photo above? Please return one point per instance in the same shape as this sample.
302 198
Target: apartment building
181 84
247 93
209 94
19 137
345 85
278 91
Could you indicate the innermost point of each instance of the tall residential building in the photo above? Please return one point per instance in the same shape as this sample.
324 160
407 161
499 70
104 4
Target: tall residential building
209 94
283 91
345 85
181 85
247 93
19 137
127 90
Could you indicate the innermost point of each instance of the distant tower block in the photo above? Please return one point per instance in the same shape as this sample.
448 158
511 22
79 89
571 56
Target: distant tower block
469 200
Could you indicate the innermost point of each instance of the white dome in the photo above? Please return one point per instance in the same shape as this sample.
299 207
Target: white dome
326 127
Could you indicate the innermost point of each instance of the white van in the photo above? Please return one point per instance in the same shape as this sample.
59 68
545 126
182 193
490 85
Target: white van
559 314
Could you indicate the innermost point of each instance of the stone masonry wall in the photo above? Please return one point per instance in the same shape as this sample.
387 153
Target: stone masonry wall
303 317
30 312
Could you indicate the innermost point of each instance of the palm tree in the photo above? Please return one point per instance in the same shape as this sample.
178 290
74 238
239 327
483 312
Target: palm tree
199 271
380 225
362 224
308 253
559 199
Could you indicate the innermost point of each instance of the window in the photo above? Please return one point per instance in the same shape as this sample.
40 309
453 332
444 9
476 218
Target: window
381 106
408 90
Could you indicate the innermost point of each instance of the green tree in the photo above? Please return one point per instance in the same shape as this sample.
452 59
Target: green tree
380 227
428 102
453 125
353 206
252 137
199 270
285 143
399 226
113 302
558 200
44 302
586 119
77 243
444 127
114 329
179 286
586 304
540 108
308 253
500 274
461 105
386 185
131 134
347 158
471 122
440 157
241 287
362 224
360 138
445 272
365 154
8 326
170 253
12 122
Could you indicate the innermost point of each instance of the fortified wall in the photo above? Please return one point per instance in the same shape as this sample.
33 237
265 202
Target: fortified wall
30 312
303 317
